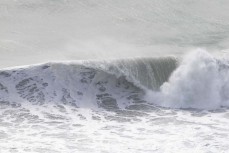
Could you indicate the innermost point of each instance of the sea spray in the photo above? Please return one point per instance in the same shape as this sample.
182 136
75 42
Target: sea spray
199 82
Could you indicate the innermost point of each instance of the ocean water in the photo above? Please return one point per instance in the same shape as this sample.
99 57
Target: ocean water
110 76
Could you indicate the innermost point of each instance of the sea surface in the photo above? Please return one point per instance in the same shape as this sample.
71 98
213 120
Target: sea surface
114 76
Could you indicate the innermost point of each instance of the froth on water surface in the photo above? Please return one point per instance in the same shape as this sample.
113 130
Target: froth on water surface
64 128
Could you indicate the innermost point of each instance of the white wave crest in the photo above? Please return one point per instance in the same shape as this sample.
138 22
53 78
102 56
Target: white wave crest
201 81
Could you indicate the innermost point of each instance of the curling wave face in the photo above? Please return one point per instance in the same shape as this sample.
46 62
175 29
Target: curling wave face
107 84
198 81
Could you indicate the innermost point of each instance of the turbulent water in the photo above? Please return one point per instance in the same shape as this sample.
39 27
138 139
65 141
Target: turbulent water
128 105
115 76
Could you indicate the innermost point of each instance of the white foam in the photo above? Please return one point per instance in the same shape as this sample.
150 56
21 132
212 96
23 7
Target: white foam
201 81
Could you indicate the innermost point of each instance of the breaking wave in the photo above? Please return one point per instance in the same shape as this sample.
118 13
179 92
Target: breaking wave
199 80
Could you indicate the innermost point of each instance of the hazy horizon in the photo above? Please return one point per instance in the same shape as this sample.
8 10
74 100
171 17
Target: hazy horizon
35 31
